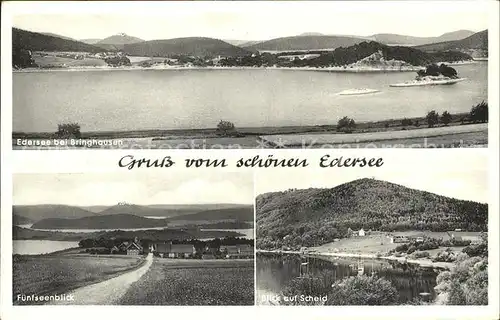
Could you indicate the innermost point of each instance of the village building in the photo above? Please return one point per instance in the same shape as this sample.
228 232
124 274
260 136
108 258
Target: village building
356 233
133 249
237 251
169 250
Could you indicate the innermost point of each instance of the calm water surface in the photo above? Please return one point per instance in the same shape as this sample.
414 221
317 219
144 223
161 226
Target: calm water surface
31 247
192 99
274 272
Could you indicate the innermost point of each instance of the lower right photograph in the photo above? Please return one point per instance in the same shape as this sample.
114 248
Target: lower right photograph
393 238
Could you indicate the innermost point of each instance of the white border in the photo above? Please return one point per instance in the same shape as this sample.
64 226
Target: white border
101 161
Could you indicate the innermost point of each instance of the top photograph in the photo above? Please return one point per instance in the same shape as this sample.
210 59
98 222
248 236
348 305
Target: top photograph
252 75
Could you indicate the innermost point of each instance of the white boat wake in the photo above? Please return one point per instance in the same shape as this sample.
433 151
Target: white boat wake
353 92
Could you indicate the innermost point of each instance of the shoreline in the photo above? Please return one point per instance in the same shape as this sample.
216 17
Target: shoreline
421 262
346 69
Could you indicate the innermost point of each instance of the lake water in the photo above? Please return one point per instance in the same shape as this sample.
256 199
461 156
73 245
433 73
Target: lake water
187 99
248 233
31 247
274 272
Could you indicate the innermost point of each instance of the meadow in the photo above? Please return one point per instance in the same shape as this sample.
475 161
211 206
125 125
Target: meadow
194 282
58 273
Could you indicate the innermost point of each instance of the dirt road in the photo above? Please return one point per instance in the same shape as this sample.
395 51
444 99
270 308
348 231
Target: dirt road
109 291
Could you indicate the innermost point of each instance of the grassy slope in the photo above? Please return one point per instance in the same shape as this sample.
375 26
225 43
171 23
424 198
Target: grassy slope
194 282
56 274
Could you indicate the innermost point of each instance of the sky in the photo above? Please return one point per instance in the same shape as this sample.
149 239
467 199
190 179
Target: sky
145 188
456 178
250 20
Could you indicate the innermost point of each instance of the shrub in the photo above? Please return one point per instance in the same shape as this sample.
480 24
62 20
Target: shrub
346 125
225 128
68 130
420 254
363 290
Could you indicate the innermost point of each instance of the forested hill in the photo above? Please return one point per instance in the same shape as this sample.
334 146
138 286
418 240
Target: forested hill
27 40
315 216
345 56
478 40
111 221
306 42
193 46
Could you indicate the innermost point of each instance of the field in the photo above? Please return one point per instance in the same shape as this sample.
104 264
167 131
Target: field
194 282
56 274
380 243
54 61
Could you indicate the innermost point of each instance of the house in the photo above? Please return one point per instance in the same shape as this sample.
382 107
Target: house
181 251
229 251
169 250
133 248
354 233
417 237
399 239
473 237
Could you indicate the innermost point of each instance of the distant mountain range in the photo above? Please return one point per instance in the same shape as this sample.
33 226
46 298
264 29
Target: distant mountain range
396 39
201 46
316 216
305 43
476 41
315 41
126 215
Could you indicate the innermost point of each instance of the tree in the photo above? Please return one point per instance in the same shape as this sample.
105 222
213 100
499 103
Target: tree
466 284
117 61
346 125
68 130
225 128
363 290
446 118
432 118
22 58
479 112
448 71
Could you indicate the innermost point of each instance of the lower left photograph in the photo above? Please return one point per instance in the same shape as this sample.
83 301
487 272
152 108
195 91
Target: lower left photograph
127 239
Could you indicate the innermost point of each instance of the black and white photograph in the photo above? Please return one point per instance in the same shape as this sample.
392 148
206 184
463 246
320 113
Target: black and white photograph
188 75
177 239
394 238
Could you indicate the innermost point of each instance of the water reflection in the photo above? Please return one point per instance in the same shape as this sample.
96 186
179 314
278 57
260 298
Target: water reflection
275 271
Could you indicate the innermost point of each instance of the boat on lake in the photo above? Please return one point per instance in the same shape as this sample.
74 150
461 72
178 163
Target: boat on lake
359 91
428 81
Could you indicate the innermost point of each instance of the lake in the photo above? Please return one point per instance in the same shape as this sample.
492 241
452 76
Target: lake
31 247
248 233
274 272
193 99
